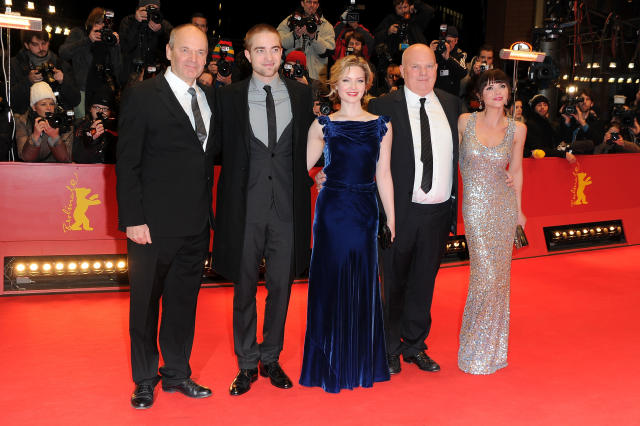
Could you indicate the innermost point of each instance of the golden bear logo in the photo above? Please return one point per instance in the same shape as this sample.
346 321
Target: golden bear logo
581 181
77 207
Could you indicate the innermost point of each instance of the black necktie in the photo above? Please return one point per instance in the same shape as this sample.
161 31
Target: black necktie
426 156
271 118
201 131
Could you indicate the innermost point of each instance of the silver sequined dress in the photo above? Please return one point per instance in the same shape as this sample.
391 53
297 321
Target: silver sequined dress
490 213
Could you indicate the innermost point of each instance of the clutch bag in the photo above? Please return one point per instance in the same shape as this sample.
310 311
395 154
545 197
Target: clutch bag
384 233
520 239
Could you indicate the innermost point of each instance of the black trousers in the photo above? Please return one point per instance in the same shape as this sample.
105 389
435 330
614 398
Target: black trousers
272 239
171 269
409 269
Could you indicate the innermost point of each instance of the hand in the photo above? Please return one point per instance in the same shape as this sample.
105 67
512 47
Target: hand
316 108
393 29
619 142
50 131
224 80
141 14
139 234
38 128
509 179
98 127
311 35
300 31
320 179
213 68
35 76
303 80
476 67
117 37
570 158
58 75
154 27
522 219
392 228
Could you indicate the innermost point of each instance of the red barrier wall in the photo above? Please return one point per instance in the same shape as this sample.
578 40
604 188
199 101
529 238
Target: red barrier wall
62 209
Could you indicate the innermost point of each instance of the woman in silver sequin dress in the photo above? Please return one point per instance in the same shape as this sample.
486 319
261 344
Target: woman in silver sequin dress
491 208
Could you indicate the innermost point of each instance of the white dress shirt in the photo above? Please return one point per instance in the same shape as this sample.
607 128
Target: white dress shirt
441 147
180 89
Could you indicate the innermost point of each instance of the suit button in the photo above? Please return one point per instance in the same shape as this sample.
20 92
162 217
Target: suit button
272 155
269 177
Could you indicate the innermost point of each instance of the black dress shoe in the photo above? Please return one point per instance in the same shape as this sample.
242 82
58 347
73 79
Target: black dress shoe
242 383
189 388
422 360
142 397
278 377
394 364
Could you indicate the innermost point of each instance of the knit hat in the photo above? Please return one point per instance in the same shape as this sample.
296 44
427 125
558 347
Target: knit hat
40 91
143 3
452 31
102 96
223 46
297 55
537 99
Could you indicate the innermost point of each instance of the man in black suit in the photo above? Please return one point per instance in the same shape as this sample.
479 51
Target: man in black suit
424 165
263 205
165 177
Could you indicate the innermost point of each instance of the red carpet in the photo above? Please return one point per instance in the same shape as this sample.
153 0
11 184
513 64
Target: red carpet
573 359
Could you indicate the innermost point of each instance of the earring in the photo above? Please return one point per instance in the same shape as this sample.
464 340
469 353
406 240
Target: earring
481 104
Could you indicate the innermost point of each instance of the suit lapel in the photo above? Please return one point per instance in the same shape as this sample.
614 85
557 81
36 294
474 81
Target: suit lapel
294 108
209 94
242 107
403 118
174 107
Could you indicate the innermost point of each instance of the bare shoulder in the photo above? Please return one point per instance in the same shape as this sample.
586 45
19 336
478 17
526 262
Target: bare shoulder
462 120
521 129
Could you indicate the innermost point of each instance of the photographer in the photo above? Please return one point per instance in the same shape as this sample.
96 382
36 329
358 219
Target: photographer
96 134
222 65
94 53
543 138
404 27
480 63
349 25
618 139
581 128
34 63
390 81
452 61
143 37
41 135
308 31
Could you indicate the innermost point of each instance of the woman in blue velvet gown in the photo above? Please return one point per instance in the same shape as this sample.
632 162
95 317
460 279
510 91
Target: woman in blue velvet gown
344 343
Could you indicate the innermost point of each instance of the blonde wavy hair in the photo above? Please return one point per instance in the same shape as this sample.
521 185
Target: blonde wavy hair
341 67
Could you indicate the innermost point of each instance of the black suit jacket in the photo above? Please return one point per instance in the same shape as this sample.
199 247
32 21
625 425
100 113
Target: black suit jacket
402 157
164 178
232 142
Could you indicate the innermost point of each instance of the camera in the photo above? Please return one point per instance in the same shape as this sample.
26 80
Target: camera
46 69
614 137
293 71
325 105
352 13
442 40
349 51
109 123
297 21
154 14
106 33
484 66
224 66
571 105
60 119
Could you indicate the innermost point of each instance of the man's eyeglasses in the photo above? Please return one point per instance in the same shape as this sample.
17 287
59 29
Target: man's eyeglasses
101 109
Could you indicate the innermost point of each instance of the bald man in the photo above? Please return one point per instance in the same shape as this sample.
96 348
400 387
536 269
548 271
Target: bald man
164 180
424 165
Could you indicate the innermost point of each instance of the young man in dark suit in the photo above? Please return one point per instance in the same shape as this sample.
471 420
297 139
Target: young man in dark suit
164 181
424 165
263 205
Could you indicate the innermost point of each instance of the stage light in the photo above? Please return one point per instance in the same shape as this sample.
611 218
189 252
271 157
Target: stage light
571 232
600 80
571 89
33 267
48 28
122 264
631 65
8 3
584 235
108 265
30 5
66 31
72 266
595 65
84 266
576 78
52 9
557 234
612 64
621 80
58 30
594 79
637 80
97 265
46 267
629 80
565 77
21 267
589 65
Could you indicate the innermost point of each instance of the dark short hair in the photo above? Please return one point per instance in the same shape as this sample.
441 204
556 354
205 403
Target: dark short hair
397 2
26 36
355 35
197 15
490 76
485 47
585 91
256 29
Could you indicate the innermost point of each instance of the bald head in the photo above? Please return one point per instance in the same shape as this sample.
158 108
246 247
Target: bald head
187 51
419 69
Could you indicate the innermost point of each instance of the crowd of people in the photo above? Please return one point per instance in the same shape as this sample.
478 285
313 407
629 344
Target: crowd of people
96 61
392 138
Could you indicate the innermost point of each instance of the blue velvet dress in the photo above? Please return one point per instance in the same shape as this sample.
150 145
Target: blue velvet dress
344 344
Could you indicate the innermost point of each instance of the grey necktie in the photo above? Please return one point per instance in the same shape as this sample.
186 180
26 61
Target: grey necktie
201 131
272 126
